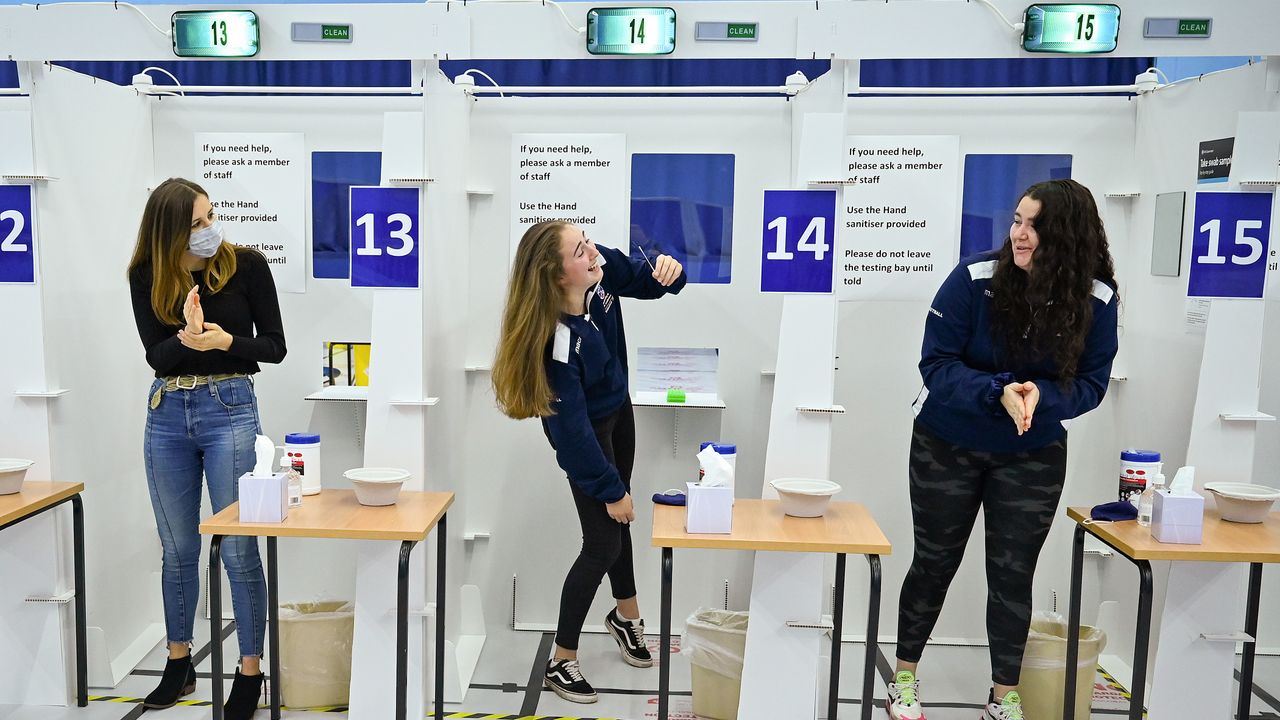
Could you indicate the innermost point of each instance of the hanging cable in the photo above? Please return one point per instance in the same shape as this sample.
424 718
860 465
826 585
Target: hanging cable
116 5
1015 27
553 3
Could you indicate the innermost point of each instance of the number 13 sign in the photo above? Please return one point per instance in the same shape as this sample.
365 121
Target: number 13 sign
384 237
1229 249
17 247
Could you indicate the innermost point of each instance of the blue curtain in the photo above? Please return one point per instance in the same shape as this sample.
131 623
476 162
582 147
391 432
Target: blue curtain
624 71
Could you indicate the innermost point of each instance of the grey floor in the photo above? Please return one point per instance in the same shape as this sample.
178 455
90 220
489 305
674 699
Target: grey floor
953 685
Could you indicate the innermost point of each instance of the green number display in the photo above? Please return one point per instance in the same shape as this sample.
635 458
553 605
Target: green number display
215 33
631 31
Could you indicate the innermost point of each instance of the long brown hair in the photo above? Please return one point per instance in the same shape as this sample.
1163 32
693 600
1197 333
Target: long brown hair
163 235
534 299
1048 312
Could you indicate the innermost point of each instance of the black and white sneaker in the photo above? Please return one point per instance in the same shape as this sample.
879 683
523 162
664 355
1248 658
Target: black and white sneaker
564 677
630 638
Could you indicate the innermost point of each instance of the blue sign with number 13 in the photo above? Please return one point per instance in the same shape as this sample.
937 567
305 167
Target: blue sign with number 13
1229 248
384 237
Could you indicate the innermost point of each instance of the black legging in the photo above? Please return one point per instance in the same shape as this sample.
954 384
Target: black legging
1019 494
606 543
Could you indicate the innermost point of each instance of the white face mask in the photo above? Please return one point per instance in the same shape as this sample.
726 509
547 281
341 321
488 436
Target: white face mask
204 243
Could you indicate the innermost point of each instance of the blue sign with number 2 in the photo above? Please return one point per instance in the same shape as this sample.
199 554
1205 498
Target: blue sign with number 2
384 237
1229 249
798 255
17 246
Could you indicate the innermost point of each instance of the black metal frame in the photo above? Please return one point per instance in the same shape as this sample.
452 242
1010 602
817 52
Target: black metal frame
273 630
837 623
1142 638
77 553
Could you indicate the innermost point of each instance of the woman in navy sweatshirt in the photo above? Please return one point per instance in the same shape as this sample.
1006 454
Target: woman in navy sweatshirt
562 357
1018 342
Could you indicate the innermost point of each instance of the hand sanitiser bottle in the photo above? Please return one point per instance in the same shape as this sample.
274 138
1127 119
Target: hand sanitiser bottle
1147 499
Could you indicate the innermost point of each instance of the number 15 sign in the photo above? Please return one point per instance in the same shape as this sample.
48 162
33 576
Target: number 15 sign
1229 249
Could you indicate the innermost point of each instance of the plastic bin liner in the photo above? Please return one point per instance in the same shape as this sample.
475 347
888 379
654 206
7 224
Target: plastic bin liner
315 653
1044 667
716 642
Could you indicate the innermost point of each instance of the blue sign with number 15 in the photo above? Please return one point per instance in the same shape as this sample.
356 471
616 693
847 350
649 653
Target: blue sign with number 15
384 237
17 244
1229 248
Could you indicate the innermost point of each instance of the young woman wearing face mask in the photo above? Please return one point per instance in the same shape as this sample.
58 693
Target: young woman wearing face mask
562 357
207 314
1017 342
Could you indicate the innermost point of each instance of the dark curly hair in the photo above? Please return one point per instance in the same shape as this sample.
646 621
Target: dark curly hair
1047 313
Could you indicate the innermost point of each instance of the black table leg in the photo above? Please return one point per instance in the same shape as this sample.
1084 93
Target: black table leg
215 623
664 648
1141 642
273 631
441 547
873 641
1250 646
1073 625
402 630
82 660
837 629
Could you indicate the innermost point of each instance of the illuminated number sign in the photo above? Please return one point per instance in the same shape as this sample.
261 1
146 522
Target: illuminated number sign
631 31
215 33
1071 28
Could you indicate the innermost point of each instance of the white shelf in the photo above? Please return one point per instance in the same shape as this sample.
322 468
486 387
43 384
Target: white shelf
1246 417
715 405
1259 183
424 402
477 368
1123 195
768 373
821 410
59 392
831 183
1119 378
27 178
341 393
411 180
479 191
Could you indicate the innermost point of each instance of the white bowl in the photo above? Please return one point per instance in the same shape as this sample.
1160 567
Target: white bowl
1243 502
377 486
804 497
12 472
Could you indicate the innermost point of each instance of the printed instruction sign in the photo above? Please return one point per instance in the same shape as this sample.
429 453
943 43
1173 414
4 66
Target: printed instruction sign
1214 160
576 178
897 224
257 184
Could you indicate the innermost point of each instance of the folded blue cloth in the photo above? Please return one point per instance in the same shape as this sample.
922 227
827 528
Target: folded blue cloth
671 498
1114 511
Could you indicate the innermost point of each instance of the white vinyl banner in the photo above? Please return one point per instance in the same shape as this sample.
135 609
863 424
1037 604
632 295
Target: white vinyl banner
580 179
897 234
257 184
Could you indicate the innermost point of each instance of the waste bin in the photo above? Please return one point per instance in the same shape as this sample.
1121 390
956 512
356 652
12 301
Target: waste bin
1044 667
716 642
315 653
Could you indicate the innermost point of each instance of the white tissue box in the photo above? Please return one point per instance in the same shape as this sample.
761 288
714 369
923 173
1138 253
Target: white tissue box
264 498
1177 518
708 509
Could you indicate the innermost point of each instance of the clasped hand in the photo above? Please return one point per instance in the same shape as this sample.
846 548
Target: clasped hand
1020 400
211 337
667 270
622 511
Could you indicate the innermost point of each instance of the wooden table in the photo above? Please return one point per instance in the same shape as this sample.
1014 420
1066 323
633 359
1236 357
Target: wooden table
847 528
1222 541
33 499
335 514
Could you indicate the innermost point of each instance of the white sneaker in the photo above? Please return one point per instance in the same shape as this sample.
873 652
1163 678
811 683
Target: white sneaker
904 701
1008 708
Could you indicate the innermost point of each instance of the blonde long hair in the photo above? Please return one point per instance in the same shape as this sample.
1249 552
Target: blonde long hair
163 236
534 299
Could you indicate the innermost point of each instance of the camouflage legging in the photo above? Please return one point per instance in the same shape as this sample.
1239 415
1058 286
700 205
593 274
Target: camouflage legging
1019 495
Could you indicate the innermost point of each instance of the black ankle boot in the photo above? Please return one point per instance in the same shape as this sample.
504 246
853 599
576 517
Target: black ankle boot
243 700
179 679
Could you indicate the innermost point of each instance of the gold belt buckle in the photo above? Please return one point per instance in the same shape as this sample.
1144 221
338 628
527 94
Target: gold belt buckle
194 381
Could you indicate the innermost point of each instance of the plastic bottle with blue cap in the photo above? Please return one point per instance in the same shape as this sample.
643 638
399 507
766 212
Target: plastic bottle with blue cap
1137 467
302 453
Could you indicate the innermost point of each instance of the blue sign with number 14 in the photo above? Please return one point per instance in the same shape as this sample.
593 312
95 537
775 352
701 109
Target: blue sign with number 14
798 254
1229 249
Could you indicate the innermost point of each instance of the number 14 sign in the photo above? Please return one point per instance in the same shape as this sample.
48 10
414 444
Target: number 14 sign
1229 253
798 256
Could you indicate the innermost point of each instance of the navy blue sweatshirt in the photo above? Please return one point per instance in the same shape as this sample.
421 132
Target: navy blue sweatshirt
964 375
586 364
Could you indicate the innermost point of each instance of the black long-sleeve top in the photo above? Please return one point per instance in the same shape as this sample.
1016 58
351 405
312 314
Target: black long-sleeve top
247 303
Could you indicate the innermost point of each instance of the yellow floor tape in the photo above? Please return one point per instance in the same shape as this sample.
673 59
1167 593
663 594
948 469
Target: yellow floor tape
1115 685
